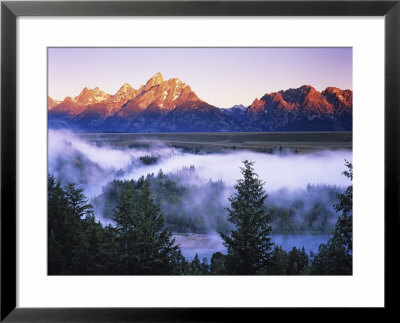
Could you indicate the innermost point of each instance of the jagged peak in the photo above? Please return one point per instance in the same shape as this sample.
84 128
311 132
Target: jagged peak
90 96
51 102
157 79
87 90
332 89
124 88
257 103
158 75
308 89
176 83
68 98
126 85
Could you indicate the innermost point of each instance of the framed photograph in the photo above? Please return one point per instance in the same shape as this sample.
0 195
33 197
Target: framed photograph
172 160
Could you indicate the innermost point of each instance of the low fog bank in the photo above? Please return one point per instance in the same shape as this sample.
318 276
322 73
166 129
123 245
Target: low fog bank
287 170
71 159
192 190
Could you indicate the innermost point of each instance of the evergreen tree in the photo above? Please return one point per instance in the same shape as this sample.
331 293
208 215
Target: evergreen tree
179 264
198 268
304 262
56 259
279 261
344 226
57 207
124 236
205 268
75 238
297 261
143 245
154 242
217 266
82 260
94 238
62 230
336 256
249 244
195 266
110 256
78 201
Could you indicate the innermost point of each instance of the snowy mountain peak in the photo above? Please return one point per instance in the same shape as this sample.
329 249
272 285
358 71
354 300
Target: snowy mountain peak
126 87
91 96
155 80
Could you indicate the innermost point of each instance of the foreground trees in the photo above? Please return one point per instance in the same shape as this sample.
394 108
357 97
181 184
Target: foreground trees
249 245
336 256
138 243
143 244
74 235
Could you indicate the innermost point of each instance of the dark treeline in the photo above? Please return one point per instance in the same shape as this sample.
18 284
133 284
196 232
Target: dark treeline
192 206
139 243
136 244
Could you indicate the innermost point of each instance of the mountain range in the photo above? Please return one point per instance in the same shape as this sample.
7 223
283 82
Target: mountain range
171 106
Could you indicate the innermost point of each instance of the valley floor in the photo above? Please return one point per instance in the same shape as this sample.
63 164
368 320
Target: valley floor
298 142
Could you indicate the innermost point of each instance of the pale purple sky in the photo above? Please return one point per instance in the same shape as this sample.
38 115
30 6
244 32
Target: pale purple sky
220 76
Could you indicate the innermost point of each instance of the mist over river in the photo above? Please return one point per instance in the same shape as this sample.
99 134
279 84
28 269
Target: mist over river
71 158
192 189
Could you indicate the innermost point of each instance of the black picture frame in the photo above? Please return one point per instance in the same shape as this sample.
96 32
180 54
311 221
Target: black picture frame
10 10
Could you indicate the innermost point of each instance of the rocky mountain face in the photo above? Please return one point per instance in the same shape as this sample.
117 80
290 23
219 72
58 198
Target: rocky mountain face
52 103
302 109
171 106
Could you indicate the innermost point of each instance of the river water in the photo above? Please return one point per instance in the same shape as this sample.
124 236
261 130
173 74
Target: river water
206 244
